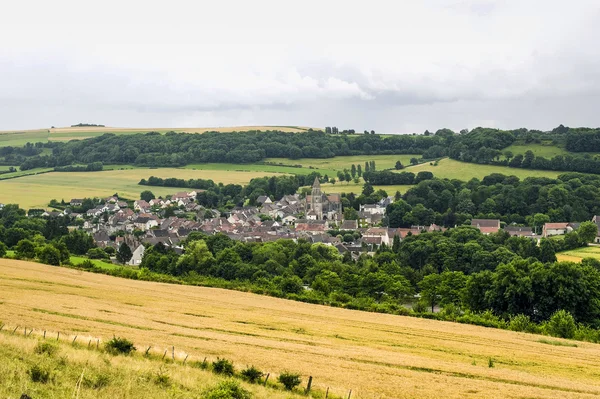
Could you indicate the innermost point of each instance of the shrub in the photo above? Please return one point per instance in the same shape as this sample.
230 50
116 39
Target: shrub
162 378
39 373
490 362
200 365
117 346
522 323
561 324
289 380
252 374
86 264
223 366
420 307
227 390
49 348
96 382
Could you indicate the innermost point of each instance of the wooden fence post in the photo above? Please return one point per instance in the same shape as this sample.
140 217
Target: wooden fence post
30 331
147 350
97 343
327 393
349 394
73 343
15 330
309 385
185 360
267 378
44 334
25 332
57 336
173 353
89 344
165 354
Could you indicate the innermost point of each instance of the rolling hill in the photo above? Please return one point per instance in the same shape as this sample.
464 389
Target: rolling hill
375 355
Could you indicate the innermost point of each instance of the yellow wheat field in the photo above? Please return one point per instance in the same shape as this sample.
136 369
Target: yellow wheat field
375 355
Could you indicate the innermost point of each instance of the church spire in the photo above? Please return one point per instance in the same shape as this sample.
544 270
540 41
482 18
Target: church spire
317 183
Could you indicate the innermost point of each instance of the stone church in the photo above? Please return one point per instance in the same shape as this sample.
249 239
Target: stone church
320 206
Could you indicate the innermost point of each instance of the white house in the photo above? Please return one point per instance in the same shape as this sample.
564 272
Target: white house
136 258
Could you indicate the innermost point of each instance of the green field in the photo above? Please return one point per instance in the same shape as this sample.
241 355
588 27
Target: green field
577 255
357 188
37 190
546 150
331 166
17 138
76 260
250 168
451 169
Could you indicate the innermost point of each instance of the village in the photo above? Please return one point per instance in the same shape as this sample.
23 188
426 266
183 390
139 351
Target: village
316 218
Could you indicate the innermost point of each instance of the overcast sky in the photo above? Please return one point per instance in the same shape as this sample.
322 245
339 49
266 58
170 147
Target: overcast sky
395 66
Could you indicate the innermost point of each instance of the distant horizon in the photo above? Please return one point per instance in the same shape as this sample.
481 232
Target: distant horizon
358 131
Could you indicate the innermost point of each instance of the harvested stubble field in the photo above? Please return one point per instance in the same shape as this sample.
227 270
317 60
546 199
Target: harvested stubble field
577 255
375 355
36 191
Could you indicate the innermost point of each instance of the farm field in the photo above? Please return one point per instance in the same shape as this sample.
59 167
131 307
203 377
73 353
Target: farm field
21 137
357 188
577 255
375 355
345 162
251 168
452 169
37 190
540 150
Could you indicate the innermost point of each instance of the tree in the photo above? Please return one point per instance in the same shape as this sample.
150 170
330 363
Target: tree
430 289
562 324
367 189
147 195
3 249
398 165
547 251
528 159
124 253
25 249
49 255
588 231
367 170
350 214
359 170
414 161
341 176
353 171
539 220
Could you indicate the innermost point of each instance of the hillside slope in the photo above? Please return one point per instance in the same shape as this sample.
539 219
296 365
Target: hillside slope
375 355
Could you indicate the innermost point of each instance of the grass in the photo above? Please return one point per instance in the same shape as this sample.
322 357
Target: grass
22 137
75 260
357 188
71 371
331 165
546 150
36 191
250 168
375 355
452 169
557 343
577 255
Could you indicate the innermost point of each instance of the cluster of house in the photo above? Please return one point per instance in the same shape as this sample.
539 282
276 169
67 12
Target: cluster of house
487 226
291 217
114 222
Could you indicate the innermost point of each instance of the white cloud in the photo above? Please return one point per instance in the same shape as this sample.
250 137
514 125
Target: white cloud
388 65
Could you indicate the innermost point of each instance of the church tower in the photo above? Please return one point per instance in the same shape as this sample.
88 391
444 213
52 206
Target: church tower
317 199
